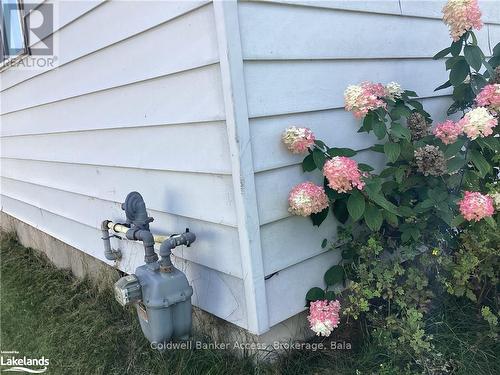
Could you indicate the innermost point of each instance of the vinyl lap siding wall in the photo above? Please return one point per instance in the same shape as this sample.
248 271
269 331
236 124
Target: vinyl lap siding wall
298 58
135 104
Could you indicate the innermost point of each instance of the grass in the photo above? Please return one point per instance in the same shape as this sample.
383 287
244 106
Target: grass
82 330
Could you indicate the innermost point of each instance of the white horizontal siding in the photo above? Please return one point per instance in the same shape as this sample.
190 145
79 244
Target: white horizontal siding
293 240
372 6
433 8
278 87
64 12
191 96
216 247
198 196
215 292
131 147
182 44
417 8
286 290
273 31
102 27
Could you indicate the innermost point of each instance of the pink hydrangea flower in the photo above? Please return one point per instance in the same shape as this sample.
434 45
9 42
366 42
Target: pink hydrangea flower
448 131
324 316
476 206
461 16
306 199
343 174
489 97
359 99
298 140
478 122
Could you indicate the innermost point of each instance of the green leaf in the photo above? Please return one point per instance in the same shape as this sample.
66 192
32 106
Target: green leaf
324 243
489 68
405 211
456 47
379 129
459 92
319 158
494 61
452 61
477 82
373 185
454 148
424 205
318 218
377 148
443 86
330 295
390 218
373 218
334 275
459 71
474 39
400 111
400 174
368 122
442 53
474 56
480 162
384 203
308 164
392 151
335 151
496 50
348 253
407 150
339 209
399 131
409 233
365 167
457 220
315 294
356 205
491 221
491 143
389 171
410 93
455 164
416 104
320 144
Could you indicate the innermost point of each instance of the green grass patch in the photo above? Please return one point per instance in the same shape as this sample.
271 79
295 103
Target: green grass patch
82 330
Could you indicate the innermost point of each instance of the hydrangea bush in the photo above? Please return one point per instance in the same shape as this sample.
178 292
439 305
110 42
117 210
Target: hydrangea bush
404 228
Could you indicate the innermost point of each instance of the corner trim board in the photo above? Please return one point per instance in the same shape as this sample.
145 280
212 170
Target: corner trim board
238 129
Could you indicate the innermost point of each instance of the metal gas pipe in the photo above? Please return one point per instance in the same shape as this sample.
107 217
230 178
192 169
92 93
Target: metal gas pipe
159 291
